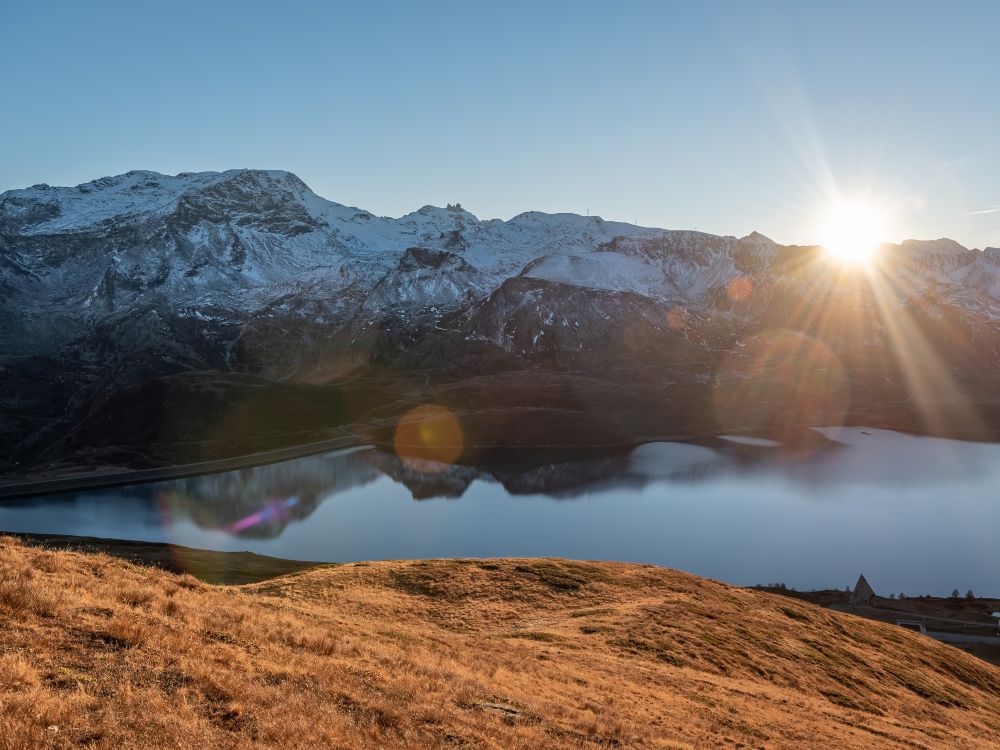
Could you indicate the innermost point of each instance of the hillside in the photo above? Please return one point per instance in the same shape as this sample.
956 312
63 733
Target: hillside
460 654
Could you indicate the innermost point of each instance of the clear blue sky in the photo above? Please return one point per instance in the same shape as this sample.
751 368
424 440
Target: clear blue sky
728 117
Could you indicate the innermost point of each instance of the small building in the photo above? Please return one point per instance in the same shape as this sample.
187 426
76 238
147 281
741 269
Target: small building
863 592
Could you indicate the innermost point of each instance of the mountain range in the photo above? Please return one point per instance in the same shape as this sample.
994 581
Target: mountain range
148 319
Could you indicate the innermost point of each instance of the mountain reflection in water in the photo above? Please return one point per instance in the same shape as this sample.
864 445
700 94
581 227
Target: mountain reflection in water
741 509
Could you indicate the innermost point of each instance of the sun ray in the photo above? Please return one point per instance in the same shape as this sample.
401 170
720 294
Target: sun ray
928 378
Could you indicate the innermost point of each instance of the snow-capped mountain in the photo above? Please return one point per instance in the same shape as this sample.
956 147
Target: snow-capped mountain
124 279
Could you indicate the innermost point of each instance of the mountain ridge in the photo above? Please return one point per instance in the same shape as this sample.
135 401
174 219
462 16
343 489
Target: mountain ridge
212 178
248 272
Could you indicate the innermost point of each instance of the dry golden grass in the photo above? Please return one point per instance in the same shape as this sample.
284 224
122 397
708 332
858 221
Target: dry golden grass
99 653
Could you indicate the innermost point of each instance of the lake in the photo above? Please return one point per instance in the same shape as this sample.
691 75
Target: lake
914 514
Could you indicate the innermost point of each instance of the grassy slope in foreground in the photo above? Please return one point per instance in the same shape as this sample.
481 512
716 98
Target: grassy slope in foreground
448 654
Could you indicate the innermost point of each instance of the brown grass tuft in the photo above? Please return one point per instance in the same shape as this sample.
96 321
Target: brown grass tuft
20 589
16 673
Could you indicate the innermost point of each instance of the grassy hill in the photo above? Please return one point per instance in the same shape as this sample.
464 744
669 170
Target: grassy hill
98 652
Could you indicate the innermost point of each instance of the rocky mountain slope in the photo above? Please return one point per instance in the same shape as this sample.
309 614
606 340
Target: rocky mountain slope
123 299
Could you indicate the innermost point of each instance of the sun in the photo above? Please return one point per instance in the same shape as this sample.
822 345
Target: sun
853 230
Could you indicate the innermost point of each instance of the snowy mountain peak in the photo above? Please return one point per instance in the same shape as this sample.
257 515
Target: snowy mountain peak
941 246
452 216
46 210
757 237
263 178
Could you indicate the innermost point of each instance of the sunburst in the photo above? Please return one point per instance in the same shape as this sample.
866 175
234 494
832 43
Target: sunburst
853 230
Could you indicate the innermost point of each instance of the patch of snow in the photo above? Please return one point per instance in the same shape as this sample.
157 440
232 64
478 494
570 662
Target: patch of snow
602 270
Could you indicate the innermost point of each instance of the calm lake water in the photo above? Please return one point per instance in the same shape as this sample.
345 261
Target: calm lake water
914 514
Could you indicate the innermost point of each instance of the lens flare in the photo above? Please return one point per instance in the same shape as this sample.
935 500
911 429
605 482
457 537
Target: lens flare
677 318
739 289
429 438
272 511
778 384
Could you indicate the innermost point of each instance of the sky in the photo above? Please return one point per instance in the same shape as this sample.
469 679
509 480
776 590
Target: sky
725 117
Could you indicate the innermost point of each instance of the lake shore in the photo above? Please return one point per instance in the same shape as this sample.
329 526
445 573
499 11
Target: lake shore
222 568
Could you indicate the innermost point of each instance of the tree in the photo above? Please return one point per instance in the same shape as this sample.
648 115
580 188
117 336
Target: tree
892 596
955 594
902 595
969 594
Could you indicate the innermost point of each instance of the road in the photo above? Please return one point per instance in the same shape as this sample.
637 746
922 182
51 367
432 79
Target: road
978 640
135 476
